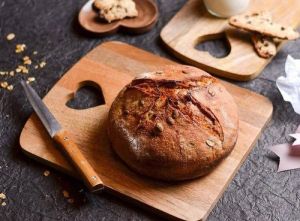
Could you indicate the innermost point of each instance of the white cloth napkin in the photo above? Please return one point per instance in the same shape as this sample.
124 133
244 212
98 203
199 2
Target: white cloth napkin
289 86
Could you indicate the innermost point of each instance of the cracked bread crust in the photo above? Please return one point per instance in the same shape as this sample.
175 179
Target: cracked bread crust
174 124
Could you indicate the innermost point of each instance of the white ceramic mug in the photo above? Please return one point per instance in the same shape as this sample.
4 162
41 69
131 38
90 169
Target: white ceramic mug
226 8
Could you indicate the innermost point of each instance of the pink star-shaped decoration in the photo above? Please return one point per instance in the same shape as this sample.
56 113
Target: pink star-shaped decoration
289 154
297 137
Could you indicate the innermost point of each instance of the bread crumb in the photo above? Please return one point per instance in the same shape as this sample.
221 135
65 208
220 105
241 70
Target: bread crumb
46 173
10 87
20 48
42 64
36 67
66 194
31 79
11 73
10 36
2 196
27 60
3 204
4 84
35 52
23 69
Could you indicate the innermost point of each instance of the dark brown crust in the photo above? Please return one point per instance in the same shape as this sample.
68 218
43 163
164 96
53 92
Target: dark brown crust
174 124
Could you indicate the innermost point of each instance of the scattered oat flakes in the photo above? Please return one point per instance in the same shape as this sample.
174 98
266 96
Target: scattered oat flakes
27 60
31 79
71 200
42 64
46 173
23 69
10 36
10 87
66 194
4 84
2 196
20 48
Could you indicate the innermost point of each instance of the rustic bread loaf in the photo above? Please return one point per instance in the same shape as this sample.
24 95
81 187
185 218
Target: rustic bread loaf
174 124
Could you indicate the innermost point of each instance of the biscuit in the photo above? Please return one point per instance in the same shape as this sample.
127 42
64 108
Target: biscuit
263 24
112 10
264 46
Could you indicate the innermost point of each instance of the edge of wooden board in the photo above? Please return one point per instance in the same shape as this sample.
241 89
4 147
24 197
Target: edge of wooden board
182 56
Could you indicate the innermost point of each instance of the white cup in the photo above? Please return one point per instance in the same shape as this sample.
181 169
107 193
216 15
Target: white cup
226 8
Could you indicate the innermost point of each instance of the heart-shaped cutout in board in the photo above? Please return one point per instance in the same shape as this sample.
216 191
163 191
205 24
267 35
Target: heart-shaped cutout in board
146 19
217 45
88 95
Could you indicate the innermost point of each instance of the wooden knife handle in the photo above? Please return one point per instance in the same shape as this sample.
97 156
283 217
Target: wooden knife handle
89 175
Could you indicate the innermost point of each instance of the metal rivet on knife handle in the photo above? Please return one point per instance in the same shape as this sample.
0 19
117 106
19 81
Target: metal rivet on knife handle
87 172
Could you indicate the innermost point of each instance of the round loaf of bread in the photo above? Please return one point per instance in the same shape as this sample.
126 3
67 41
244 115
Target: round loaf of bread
174 124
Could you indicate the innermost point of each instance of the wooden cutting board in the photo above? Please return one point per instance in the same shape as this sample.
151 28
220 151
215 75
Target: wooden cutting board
111 66
193 25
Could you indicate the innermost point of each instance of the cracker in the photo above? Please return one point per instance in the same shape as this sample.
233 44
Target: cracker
112 10
261 23
264 46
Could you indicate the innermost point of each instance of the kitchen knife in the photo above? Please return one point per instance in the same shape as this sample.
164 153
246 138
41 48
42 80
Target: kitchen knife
63 138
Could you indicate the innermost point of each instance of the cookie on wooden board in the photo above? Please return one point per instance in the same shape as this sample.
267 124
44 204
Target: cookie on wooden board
112 10
259 22
264 46
174 124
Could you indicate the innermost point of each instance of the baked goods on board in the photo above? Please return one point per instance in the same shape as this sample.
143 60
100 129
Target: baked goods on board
112 10
175 124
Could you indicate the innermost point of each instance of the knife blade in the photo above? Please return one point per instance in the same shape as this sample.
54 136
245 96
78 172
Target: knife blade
63 138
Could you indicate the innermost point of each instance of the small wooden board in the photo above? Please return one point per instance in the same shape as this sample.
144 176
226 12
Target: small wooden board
193 25
111 66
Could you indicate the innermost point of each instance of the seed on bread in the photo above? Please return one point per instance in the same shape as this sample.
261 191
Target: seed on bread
175 114
158 128
170 120
211 92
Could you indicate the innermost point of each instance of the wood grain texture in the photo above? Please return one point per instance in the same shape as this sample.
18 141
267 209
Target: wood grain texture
78 160
111 66
147 17
193 25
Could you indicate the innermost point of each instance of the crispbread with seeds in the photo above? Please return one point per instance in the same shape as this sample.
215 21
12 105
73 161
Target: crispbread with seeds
264 46
258 22
112 10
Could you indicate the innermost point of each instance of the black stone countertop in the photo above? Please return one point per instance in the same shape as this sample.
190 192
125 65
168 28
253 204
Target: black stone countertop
257 192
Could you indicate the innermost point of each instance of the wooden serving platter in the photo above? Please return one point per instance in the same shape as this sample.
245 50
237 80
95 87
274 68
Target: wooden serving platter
111 66
193 25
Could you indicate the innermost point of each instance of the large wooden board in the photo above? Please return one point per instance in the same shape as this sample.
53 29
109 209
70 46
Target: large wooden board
193 25
111 66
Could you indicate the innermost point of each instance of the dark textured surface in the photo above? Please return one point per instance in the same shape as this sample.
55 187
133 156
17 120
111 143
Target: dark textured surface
256 193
